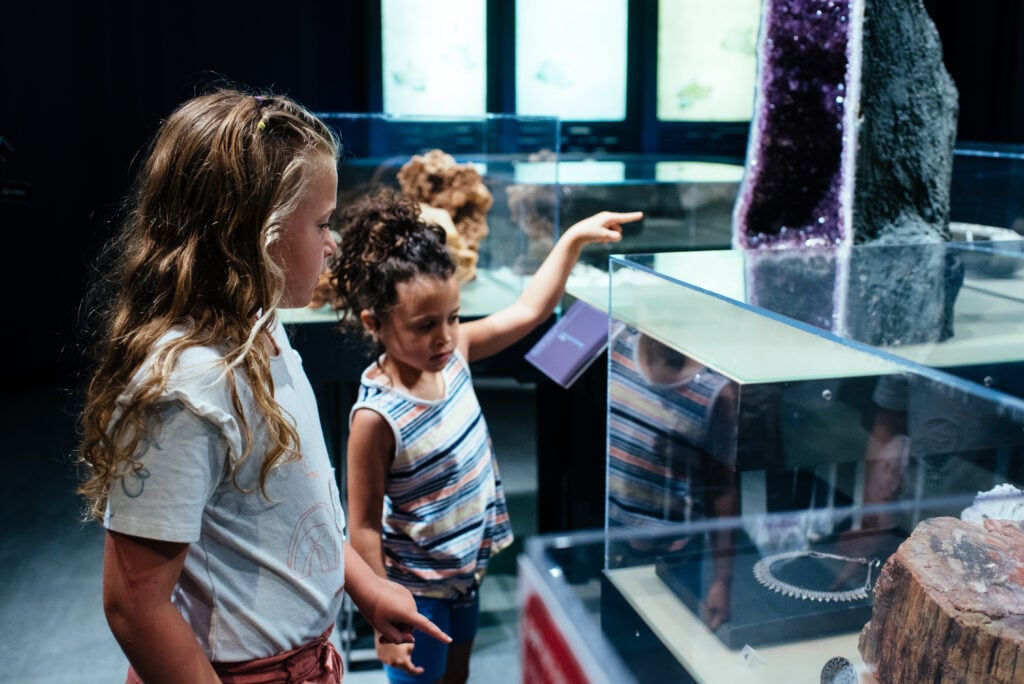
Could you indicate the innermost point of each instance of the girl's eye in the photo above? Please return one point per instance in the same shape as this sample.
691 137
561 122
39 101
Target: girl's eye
324 226
425 327
454 318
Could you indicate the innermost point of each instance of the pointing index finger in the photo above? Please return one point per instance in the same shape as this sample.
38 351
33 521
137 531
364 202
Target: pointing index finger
430 629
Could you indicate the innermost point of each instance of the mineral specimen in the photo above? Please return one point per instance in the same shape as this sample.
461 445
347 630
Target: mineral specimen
853 129
851 142
949 605
437 180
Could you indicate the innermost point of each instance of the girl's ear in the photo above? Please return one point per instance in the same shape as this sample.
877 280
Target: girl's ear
369 321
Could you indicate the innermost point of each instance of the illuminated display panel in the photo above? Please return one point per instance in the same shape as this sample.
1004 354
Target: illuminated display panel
707 59
434 57
571 59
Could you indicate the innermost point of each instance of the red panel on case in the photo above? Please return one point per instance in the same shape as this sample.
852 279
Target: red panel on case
547 658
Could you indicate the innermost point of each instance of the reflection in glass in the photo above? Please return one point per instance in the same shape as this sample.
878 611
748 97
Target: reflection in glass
934 448
671 457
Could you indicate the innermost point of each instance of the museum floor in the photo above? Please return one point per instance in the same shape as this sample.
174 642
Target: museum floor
52 628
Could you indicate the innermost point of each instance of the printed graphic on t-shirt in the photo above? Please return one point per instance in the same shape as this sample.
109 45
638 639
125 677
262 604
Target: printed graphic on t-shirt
314 546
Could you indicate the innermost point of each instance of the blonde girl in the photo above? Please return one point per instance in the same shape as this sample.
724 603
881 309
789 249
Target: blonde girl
225 557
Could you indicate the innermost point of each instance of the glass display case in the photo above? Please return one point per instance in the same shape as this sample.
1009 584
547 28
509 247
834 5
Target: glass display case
987 188
475 175
509 193
987 201
505 172
778 425
472 169
528 193
689 200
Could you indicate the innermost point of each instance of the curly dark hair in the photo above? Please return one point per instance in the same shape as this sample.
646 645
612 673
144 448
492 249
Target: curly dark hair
383 242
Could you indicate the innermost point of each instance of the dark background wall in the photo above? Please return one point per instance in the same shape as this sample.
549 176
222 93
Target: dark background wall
983 47
84 84
82 87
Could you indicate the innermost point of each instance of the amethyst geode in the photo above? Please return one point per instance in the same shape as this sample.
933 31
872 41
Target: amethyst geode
854 125
851 143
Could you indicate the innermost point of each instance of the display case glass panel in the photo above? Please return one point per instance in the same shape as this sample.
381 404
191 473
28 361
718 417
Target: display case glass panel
477 170
689 200
785 429
988 191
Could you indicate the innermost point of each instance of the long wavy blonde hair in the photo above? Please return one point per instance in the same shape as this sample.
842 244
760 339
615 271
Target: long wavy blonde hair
221 175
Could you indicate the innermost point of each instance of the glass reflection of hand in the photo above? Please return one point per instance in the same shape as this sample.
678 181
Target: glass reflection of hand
715 609
888 450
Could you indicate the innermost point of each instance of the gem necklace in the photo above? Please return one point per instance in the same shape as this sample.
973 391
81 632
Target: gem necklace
763 574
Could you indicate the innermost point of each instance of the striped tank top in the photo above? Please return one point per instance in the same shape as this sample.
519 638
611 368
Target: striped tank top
444 508
658 441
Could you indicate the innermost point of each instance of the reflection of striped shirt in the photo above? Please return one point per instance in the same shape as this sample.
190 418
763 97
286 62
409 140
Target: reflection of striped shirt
444 508
657 440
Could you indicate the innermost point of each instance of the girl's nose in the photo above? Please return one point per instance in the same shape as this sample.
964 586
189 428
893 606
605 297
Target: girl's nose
331 246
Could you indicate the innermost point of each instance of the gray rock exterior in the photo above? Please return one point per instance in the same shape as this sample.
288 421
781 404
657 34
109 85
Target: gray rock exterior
909 108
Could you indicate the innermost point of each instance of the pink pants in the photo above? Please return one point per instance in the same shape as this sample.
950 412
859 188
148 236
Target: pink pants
318 662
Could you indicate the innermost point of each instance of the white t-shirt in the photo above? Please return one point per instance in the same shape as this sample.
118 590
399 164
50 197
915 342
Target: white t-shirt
261 576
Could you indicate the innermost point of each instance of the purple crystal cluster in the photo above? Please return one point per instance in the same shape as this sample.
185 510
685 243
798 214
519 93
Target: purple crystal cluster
793 195
851 143
853 132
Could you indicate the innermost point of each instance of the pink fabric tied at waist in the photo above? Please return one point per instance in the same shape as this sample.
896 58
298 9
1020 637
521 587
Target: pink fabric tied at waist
317 662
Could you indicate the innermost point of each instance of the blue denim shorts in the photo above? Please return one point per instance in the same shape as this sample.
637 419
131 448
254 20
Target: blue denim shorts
458 619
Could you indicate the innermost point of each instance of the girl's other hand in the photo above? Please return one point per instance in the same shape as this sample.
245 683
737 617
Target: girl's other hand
716 606
394 616
398 656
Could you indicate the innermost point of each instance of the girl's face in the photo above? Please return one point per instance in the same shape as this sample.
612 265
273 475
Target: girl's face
422 330
305 242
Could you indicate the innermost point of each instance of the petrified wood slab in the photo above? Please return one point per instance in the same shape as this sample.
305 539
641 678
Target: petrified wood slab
949 606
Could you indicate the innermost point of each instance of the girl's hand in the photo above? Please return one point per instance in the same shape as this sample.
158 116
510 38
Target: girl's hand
397 655
392 612
716 610
605 227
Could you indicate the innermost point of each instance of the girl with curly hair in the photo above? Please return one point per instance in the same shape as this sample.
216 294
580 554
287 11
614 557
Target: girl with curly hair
424 494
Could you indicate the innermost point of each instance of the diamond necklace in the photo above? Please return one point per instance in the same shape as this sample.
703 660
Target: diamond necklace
763 574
